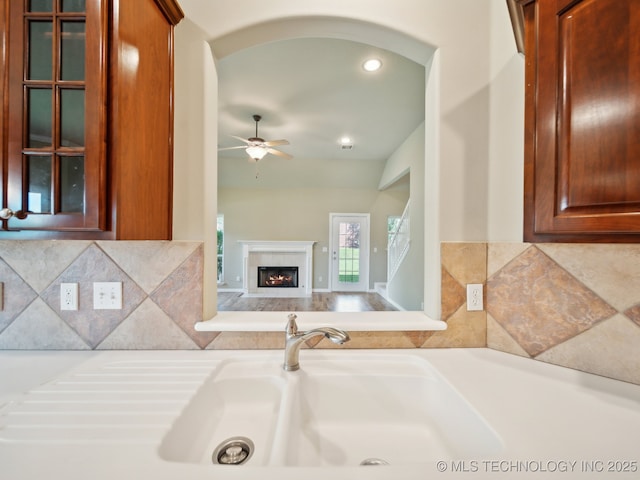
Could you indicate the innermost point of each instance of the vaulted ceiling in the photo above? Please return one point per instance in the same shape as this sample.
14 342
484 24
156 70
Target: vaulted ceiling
313 92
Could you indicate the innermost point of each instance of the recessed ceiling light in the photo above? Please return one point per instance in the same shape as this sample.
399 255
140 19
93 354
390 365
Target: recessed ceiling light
372 65
345 140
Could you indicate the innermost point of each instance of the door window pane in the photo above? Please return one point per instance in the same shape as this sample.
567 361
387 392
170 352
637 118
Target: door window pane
72 184
40 5
39 184
73 5
39 111
40 52
349 253
72 51
72 118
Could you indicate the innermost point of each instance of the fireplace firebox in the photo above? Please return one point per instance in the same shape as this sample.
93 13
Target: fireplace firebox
277 277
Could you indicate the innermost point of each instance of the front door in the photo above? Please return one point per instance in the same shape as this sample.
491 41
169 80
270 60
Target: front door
349 252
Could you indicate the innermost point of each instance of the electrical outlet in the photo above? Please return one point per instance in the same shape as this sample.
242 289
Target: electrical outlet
68 296
474 297
107 295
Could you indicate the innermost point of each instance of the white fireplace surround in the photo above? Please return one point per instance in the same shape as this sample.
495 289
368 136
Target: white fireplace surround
277 253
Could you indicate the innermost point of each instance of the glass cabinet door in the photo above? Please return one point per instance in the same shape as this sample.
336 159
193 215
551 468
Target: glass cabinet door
56 176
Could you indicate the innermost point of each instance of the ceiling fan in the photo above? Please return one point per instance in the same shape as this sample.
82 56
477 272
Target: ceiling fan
257 147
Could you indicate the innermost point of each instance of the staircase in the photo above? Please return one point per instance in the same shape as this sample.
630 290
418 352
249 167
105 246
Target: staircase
399 243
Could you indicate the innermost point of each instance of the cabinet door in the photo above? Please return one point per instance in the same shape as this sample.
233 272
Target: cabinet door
582 175
56 157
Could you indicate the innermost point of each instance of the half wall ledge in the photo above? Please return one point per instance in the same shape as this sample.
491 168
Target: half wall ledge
355 322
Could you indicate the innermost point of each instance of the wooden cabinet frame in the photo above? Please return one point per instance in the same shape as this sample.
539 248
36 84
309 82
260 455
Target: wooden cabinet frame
129 126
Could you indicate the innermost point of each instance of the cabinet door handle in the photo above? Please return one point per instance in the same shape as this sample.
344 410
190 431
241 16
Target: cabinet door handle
6 213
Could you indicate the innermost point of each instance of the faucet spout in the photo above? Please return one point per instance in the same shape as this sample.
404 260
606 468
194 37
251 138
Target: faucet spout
294 340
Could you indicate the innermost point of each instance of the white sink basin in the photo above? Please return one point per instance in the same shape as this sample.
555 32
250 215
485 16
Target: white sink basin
397 409
341 408
239 399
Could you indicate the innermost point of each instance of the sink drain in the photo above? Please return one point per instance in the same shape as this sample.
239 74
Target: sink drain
373 461
234 451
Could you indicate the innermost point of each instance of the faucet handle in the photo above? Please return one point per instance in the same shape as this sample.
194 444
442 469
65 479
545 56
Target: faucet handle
292 326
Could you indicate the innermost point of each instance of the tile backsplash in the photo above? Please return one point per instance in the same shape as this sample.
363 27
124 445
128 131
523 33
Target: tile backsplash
162 295
575 305
571 305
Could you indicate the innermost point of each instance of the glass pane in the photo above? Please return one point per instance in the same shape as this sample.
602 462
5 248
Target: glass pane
39 111
73 5
40 5
39 184
72 184
40 53
71 118
72 51
349 256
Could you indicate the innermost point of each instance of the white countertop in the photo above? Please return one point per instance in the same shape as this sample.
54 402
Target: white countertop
556 421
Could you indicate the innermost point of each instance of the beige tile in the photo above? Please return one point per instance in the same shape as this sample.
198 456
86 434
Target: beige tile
610 349
39 328
499 339
453 295
464 329
180 297
466 262
374 340
39 262
541 305
612 271
148 263
499 254
147 328
634 313
247 341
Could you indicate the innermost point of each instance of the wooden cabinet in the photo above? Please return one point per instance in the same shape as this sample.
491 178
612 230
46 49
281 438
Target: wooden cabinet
582 125
87 123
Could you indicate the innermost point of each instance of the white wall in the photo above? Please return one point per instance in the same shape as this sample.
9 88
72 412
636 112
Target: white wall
195 145
407 287
473 132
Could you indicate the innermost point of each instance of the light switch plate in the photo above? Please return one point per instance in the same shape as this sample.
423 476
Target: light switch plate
107 295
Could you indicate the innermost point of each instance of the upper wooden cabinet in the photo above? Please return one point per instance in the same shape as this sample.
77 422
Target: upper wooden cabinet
87 118
582 125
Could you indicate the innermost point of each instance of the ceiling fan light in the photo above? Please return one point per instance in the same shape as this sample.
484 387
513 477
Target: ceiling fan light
256 152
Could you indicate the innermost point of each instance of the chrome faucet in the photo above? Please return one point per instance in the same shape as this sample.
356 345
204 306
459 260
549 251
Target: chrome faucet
295 339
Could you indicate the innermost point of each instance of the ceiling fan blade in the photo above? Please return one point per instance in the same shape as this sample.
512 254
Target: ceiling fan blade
241 139
231 148
275 143
279 153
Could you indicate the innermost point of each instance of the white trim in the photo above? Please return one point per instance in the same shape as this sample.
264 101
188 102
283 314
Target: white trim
350 321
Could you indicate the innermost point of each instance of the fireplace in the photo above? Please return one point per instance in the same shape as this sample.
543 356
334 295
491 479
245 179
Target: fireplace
277 277
285 259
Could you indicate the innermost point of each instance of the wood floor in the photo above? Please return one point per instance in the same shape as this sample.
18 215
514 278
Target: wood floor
318 302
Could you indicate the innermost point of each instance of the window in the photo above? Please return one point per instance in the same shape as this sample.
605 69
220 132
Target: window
220 243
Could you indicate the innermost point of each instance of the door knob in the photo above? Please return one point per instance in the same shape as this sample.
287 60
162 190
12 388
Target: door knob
6 213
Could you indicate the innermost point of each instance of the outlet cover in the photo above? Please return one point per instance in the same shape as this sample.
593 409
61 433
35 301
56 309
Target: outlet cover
68 296
474 297
107 295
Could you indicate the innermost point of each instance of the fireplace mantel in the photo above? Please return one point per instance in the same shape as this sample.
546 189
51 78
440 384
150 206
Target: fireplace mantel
277 245
257 253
